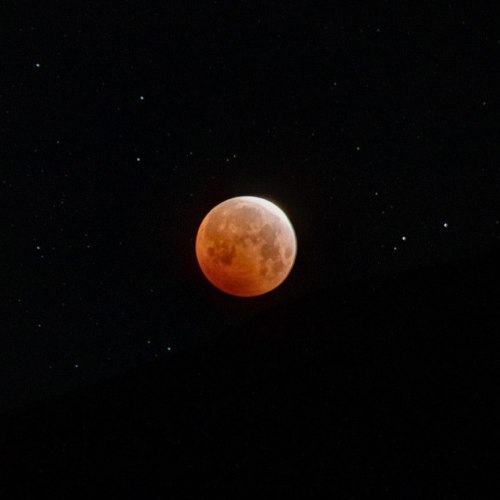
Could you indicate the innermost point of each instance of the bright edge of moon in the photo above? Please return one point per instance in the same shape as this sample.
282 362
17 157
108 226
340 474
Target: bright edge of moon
246 246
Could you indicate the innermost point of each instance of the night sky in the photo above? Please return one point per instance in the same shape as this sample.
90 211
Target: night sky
375 128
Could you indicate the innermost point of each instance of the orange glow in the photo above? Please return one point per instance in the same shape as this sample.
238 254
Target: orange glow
246 246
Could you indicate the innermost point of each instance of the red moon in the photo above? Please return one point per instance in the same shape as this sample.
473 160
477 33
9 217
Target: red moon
246 246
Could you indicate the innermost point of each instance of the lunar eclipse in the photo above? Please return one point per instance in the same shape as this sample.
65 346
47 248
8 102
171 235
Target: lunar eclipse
246 246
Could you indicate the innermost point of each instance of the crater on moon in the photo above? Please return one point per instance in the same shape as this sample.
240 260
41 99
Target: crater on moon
246 246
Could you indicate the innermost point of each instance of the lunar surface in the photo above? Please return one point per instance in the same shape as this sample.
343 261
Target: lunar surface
246 246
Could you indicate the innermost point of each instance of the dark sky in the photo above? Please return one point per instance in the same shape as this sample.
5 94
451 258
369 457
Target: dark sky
374 128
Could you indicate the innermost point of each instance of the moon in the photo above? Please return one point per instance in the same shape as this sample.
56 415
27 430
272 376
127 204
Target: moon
246 246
